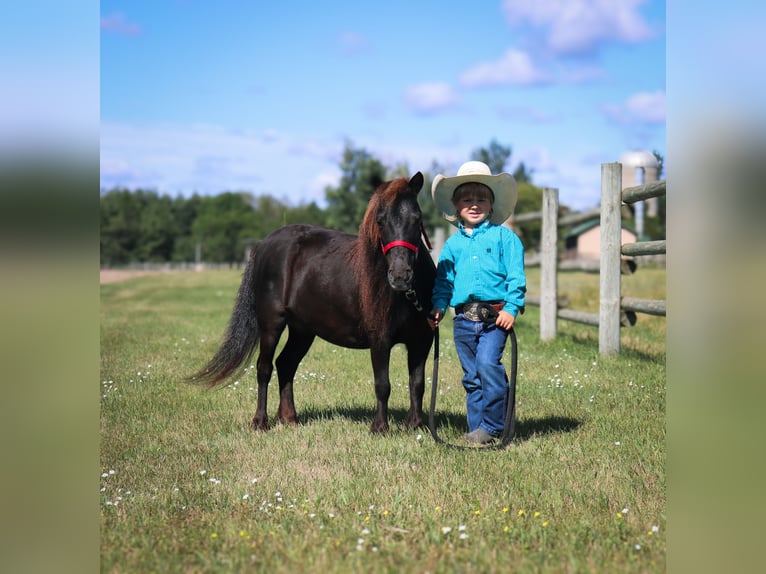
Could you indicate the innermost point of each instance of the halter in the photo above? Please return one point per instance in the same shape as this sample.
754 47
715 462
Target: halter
401 243
410 294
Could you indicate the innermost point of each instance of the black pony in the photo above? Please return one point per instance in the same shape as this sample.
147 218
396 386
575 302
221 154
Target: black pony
371 291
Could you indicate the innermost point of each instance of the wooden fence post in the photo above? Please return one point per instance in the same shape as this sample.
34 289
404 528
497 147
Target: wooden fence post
437 242
548 264
610 280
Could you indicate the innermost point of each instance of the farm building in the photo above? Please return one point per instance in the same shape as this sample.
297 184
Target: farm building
584 241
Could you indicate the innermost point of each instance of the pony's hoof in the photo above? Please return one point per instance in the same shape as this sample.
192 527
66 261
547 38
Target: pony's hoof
286 415
258 424
413 422
379 428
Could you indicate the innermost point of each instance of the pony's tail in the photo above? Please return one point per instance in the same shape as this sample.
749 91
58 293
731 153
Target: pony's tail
241 336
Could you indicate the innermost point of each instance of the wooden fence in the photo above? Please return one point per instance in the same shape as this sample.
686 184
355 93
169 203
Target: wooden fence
614 310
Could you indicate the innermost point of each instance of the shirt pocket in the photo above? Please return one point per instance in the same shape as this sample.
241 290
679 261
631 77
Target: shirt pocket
492 262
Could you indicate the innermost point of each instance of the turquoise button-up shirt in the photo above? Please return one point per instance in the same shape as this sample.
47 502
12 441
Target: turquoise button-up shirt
486 265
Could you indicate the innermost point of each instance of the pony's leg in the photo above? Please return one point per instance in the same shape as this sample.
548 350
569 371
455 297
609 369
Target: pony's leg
380 360
264 368
418 348
297 346
416 362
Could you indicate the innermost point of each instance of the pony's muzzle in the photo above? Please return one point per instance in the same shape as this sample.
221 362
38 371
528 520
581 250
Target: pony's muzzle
399 284
400 277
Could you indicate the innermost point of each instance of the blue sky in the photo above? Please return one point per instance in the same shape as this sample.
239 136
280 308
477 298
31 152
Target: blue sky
262 96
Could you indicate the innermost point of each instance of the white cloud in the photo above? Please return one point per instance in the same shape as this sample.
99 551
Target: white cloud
315 149
294 168
431 97
583 74
641 108
210 159
647 107
580 26
537 158
576 174
515 68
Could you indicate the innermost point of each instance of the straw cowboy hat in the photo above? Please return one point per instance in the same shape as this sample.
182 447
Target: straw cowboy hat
503 187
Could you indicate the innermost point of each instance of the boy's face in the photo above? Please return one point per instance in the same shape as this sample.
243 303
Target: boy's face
473 204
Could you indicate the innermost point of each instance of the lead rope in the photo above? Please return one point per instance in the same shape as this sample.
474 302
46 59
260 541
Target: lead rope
509 429
411 294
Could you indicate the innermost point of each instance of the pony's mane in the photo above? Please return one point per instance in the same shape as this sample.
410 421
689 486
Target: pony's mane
384 196
367 260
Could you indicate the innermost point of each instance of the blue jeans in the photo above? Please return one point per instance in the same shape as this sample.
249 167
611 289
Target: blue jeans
480 349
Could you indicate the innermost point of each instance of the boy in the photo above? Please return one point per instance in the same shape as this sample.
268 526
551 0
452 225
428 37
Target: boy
481 274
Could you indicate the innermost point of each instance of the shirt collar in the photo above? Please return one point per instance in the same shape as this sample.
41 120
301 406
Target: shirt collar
479 228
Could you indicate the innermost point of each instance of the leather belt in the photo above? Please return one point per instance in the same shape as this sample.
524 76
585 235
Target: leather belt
485 311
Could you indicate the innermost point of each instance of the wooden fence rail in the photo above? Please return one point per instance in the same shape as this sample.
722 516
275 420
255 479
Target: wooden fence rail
615 311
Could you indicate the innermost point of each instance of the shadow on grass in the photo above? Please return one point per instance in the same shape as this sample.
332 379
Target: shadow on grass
364 415
525 428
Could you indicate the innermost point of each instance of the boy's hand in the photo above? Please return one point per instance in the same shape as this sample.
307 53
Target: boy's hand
434 317
505 320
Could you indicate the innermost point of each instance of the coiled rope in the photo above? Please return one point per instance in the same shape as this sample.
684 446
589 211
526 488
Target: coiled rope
509 429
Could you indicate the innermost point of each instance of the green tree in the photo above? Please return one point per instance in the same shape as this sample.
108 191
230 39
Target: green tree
361 175
432 218
141 225
270 214
661 161
120 225
521 174
530 200
185 212
223 225
157 229
495 156
310 213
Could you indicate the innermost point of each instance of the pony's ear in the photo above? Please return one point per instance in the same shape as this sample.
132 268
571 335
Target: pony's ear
376 181
416 183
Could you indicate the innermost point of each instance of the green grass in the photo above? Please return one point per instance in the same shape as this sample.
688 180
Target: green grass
186 486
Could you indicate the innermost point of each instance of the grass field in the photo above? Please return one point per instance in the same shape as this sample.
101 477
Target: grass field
186 486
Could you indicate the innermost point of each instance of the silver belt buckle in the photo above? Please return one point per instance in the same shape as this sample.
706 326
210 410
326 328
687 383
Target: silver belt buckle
471 312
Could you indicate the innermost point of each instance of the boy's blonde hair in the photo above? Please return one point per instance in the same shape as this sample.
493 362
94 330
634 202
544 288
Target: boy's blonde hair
480 190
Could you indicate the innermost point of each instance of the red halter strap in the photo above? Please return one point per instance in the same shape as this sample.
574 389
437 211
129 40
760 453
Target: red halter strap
400 243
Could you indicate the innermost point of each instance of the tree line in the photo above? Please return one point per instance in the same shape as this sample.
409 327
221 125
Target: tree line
140 225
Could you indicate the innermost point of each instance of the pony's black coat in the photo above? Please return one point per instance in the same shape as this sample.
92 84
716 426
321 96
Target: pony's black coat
318 282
